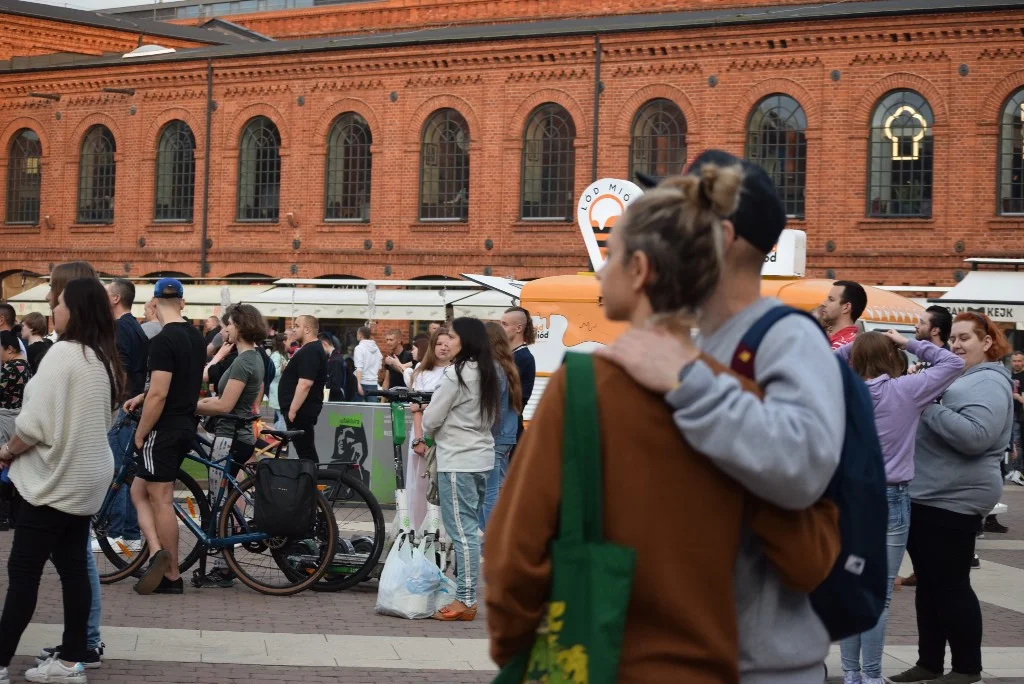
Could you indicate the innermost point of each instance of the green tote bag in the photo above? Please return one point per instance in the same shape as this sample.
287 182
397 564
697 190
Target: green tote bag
580 638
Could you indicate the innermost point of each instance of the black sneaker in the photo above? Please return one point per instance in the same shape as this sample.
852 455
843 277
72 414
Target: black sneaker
992 524
975 562
154 575
167 586
93 656
221 578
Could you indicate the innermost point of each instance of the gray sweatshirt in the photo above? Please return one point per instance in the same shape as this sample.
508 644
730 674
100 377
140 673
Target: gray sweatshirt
783 448
961 440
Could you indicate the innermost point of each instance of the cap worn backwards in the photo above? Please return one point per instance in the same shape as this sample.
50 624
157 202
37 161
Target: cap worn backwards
760 217
168 288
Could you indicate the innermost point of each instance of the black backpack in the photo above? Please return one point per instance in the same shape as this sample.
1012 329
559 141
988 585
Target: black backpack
852 597
285 500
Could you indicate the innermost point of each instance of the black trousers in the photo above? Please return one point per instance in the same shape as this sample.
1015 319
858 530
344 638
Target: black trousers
304 446
941 544
40 533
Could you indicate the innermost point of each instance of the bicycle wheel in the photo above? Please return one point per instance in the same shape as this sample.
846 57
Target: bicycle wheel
361 530
119 559
268 566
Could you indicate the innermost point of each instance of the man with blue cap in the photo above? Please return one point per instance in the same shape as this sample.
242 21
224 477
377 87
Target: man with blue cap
783 447
165 433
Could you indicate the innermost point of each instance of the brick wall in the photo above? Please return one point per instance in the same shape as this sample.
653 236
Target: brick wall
28 36
401 14
495 87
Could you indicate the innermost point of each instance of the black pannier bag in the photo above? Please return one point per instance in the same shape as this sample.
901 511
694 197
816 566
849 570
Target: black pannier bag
285 499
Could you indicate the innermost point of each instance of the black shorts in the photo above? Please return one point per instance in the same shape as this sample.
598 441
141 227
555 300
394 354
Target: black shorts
162 453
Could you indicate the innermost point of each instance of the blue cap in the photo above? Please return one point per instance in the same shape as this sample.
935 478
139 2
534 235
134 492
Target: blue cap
168 288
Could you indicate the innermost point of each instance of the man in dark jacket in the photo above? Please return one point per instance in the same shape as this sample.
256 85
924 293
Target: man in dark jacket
335 368
133 350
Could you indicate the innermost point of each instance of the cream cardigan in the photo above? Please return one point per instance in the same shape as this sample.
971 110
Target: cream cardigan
65 416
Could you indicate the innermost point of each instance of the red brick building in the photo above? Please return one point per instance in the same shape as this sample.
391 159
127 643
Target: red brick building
432 138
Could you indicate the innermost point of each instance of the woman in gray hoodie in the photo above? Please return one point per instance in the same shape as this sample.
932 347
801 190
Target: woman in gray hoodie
960 442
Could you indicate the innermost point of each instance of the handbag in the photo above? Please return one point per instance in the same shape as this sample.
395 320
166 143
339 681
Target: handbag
433 493
580 637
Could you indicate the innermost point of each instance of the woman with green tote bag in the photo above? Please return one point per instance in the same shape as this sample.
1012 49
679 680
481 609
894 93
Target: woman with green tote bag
610 553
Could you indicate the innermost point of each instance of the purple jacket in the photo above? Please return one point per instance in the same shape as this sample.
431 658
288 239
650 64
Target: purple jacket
899 403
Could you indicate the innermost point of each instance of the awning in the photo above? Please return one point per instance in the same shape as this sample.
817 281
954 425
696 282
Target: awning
388 304
997 294
201 301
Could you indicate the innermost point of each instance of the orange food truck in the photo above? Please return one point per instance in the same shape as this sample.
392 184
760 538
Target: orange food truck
567 312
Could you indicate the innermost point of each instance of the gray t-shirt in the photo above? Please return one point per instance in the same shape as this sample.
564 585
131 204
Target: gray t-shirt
247 367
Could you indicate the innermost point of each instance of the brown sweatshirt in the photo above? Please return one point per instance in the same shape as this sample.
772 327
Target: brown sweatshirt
670 504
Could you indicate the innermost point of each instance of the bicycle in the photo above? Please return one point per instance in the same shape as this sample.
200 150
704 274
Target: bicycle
221 522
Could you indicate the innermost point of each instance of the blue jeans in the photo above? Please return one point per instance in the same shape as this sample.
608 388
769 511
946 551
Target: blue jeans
363 397
124 521
462 497
1018 463
871 642
92 634
495 479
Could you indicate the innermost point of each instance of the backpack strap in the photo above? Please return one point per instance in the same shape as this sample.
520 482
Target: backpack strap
580 514
746 351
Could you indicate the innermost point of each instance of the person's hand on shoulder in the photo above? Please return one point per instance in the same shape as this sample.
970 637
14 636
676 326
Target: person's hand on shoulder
652 357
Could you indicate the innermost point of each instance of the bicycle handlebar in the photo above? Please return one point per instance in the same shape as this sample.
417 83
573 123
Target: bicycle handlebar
402 395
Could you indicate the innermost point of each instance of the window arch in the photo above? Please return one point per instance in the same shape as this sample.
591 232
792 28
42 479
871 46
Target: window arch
96 176
1011 156
657 144
259 171
777 142
444 168
549 165
900 180
175 173
347 176
24 177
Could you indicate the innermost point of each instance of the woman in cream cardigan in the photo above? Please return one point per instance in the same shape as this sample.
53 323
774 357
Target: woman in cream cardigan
61 466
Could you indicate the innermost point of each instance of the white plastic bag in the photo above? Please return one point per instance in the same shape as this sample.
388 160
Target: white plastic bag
409 582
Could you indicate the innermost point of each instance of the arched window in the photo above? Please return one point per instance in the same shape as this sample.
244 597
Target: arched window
96 175
776 141
259 171
1011 156
549 165
444 168
900 181
24 178
347 177
658 140
175 173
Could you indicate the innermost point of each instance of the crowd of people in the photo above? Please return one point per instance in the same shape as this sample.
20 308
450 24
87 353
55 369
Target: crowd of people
692 424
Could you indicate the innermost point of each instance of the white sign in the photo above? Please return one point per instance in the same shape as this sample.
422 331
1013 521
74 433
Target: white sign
788 257
601 203
1000 313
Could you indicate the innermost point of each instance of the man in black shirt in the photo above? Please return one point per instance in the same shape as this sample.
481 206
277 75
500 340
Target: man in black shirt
165 433
211 328
398 358
300 392
133 350
518 326
336 370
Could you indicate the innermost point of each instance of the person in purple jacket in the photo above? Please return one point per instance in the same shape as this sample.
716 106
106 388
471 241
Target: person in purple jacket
899 401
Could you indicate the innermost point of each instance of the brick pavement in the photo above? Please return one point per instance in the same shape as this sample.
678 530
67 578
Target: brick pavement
239 609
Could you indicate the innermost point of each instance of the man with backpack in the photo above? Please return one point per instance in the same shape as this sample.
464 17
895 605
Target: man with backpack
783 448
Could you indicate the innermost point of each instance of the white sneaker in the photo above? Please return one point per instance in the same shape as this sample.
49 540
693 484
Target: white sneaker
873 680
1016 478
133 545
53 670
4 677
852 678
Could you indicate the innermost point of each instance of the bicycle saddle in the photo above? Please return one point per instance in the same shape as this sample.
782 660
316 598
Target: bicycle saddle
283 434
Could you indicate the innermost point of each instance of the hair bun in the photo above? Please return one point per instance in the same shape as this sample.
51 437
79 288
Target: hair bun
720 185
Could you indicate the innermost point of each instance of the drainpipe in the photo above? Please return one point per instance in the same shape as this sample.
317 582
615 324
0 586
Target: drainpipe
203 266
598 87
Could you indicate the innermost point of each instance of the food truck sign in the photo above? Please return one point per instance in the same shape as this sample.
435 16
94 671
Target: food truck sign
600 205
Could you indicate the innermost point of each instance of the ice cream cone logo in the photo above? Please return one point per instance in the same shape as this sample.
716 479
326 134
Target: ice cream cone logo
600 205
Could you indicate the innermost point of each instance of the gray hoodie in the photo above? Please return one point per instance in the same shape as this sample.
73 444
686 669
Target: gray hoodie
785 449
961 440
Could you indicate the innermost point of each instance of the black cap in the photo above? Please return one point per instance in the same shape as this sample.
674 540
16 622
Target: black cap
760 216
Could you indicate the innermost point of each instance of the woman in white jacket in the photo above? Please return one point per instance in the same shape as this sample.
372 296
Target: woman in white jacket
459 419
61 465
